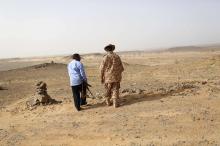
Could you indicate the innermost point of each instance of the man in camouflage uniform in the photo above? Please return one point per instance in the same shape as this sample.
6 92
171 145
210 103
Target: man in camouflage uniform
111 75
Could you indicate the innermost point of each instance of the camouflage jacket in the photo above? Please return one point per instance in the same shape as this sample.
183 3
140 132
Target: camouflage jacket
111 68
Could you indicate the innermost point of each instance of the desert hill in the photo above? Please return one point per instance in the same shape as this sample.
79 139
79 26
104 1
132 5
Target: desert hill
167 98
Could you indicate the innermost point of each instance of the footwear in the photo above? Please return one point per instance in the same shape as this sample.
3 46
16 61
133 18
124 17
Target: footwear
78 109
115 103
84 103
108 102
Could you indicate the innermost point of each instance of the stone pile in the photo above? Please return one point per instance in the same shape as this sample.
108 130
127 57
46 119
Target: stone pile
41 96
42 92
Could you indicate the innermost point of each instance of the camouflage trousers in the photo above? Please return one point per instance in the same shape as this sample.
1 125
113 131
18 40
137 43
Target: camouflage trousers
112 91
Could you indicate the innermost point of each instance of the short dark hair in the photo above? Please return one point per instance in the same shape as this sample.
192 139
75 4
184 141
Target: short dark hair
76 57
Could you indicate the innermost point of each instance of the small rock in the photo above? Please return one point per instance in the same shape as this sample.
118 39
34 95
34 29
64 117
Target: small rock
122 139
204 82
194 118
109 138
137 137
134 84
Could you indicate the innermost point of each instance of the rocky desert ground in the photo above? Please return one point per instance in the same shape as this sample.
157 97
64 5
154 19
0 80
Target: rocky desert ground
167 99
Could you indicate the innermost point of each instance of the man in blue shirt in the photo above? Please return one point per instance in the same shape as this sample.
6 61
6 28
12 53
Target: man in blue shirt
77 81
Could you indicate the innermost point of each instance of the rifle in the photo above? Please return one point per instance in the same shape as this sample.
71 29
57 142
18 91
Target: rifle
90 90
86 88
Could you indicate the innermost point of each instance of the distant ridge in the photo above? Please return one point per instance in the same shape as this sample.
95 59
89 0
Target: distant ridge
194 48
41 66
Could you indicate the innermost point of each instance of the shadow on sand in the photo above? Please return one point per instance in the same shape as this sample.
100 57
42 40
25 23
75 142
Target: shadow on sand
92 106
185 88
128 100
133 98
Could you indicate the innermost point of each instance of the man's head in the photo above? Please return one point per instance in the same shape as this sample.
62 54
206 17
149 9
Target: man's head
109 48
76 57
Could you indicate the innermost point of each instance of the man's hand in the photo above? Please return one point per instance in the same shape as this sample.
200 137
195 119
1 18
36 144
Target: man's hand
102 81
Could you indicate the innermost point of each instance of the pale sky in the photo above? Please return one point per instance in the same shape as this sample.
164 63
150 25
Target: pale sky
52 27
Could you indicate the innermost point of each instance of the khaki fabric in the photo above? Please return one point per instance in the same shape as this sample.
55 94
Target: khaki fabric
112 90
111 68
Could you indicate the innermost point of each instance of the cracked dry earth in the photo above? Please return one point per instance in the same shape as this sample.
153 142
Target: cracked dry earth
168 99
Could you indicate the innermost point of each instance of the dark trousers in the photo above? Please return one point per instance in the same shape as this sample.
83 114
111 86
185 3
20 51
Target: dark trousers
79 95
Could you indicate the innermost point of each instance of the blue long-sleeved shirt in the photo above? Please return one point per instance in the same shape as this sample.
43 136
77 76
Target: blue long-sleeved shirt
76 73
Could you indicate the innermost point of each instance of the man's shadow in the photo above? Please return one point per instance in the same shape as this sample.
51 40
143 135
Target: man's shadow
129 99
92 106
135 98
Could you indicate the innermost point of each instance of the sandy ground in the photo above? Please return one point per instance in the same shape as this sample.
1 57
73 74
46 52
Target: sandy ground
168 99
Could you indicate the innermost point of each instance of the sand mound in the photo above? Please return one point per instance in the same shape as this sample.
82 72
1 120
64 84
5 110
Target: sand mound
176 89
164 89
45 65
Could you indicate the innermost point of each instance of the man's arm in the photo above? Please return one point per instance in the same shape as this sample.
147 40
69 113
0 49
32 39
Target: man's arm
69 69
122 67
82 72
102 69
